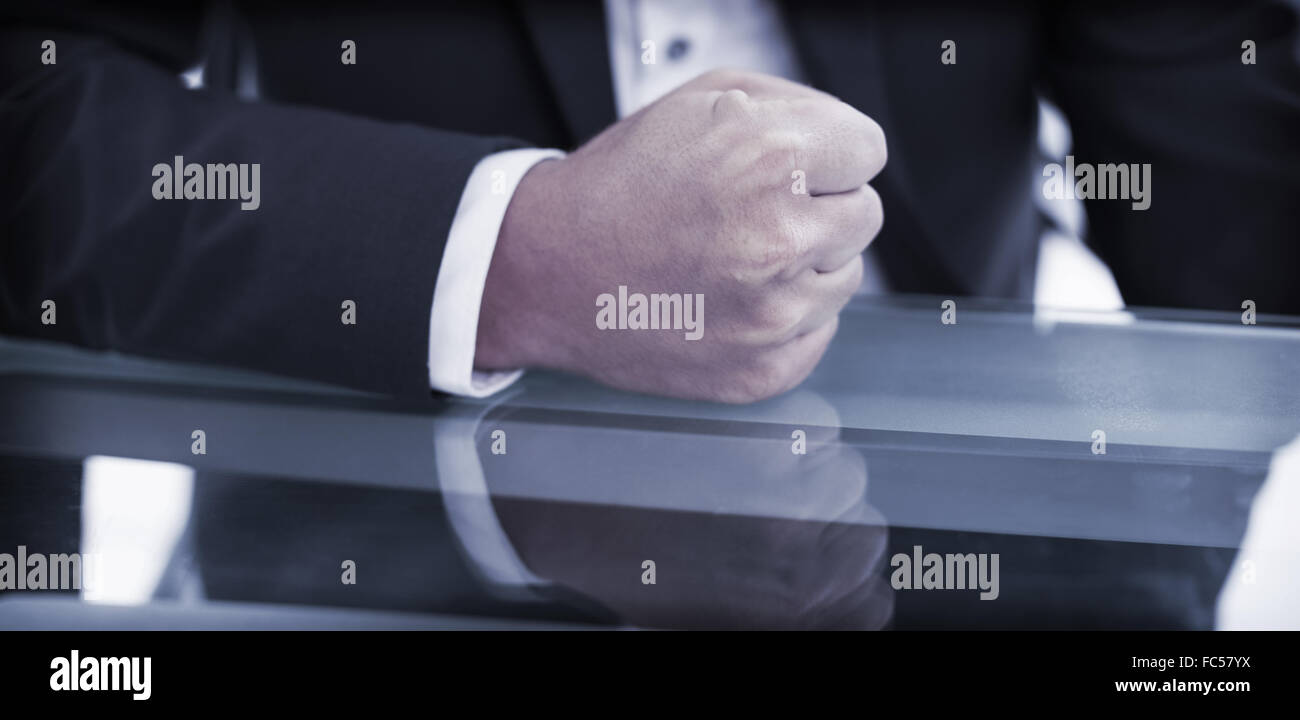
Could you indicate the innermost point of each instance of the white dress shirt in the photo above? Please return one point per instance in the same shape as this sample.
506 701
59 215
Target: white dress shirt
690 38
453 322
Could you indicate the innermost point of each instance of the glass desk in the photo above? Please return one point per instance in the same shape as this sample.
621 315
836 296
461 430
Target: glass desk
314 506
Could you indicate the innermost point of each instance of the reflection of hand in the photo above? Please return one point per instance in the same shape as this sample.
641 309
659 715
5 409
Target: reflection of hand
694 194
743 532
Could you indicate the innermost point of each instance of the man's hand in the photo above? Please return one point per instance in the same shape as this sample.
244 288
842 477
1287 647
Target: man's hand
696 193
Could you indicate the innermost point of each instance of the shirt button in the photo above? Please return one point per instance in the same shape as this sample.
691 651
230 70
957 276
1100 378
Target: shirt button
678 47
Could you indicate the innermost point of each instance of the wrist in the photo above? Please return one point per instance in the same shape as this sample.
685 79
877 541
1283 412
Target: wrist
517 324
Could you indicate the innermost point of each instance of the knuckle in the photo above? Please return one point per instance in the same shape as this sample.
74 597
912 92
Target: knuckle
776 254
873 211
785 149
730 103
873 143
860 218
852 280
770 157
775 320
774 246
789 241
760 380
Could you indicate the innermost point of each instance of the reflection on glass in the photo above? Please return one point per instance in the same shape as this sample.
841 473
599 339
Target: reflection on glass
133 513
734 525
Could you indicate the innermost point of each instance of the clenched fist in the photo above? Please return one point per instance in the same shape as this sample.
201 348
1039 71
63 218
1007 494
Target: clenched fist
745 189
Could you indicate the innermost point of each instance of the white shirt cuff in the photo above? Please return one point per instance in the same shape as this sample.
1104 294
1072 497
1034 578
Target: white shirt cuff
453 320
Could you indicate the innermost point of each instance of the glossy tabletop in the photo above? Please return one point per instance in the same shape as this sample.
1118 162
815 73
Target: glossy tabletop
314 506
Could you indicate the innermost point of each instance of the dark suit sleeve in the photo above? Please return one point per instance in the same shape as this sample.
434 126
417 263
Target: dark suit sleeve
1164 83
351 209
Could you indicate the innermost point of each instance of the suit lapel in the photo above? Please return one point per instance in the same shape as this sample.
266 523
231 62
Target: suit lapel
570 39
840 48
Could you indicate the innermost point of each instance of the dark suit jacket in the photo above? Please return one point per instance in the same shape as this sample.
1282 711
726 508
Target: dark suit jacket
363 165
